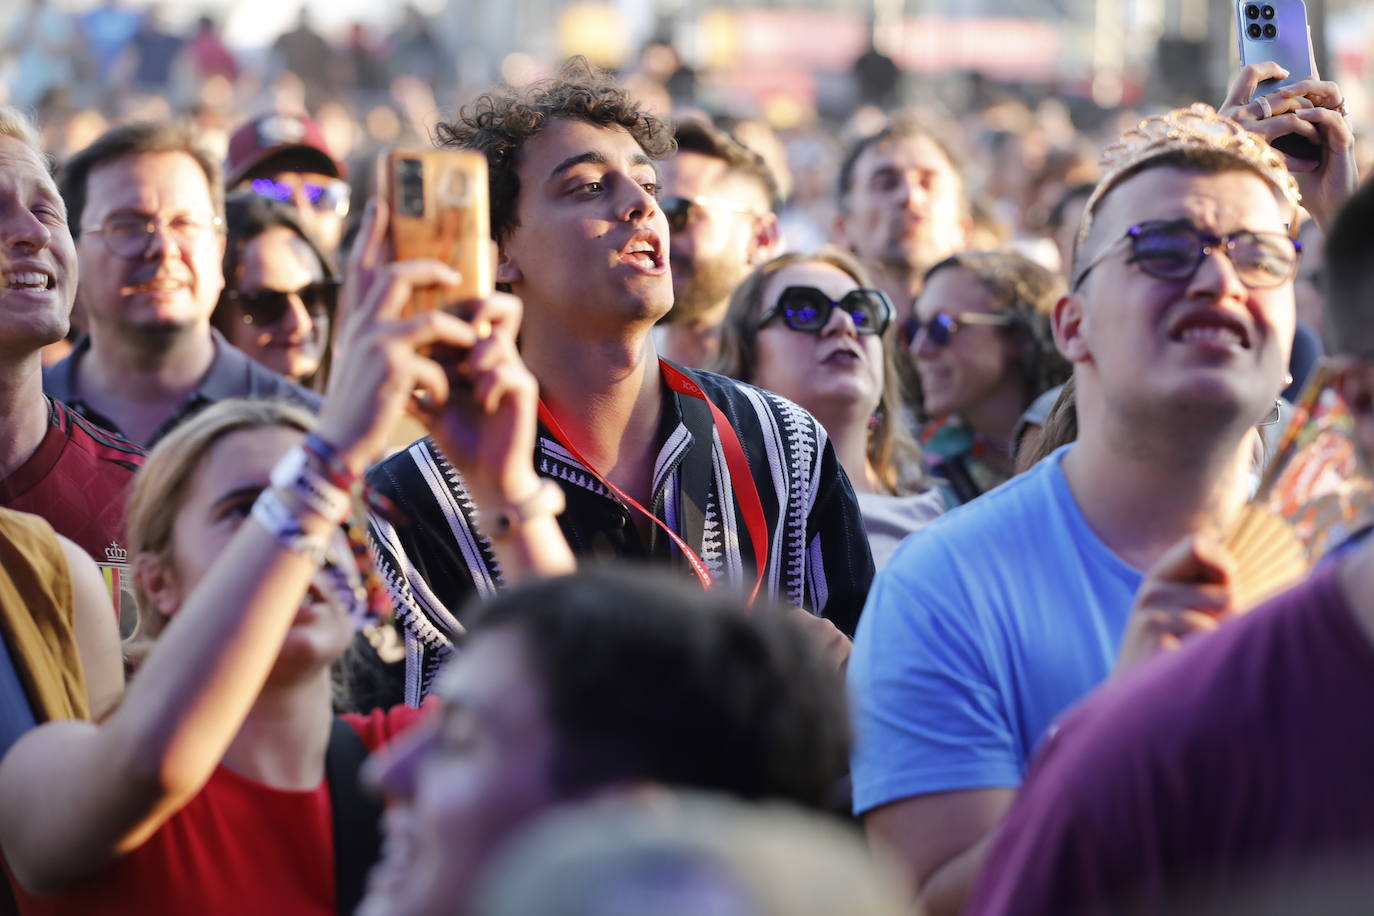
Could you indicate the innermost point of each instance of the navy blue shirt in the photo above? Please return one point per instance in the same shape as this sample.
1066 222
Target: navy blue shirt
232 374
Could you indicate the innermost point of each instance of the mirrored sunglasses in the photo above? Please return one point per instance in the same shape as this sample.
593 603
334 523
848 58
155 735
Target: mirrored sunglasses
940 329
329 197
807 309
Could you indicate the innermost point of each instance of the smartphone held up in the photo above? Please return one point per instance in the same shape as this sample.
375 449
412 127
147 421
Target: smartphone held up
439 209
1278 31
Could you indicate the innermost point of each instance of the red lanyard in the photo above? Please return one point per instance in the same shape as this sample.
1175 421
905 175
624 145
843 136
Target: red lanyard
741 478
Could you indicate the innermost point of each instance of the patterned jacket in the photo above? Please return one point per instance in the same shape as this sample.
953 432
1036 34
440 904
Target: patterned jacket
433 558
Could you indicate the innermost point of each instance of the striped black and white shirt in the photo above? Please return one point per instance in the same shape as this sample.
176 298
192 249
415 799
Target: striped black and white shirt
433 559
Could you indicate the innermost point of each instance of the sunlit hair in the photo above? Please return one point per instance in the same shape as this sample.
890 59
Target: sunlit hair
162 483
1017 285
15 123
1193 139
892 452
498 124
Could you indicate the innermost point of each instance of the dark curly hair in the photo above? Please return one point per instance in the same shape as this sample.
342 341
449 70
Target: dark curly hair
499 123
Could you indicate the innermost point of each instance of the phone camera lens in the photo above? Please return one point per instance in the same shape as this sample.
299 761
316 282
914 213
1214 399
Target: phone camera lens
1254 30
1252 11
1270 31
1267 12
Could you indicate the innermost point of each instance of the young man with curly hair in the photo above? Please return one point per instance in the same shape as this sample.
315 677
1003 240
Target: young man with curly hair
734 486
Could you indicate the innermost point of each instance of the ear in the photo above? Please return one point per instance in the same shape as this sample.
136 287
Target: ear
507 271
153 576
838 230
765 239
1068 322
1353 380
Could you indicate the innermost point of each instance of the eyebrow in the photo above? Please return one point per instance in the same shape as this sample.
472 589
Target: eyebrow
250 490
597 159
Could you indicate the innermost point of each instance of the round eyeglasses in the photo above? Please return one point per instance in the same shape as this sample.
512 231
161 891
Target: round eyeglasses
1174 250
807 309
129 235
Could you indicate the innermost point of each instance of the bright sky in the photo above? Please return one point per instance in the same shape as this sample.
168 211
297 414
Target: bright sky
254 23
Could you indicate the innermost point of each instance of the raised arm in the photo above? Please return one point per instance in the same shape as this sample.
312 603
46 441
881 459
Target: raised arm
73 796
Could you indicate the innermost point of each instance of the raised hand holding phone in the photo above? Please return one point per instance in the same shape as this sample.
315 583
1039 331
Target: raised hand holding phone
1279 95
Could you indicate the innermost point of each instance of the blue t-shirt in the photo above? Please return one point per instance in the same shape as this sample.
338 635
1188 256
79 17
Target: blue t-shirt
16 716
983 627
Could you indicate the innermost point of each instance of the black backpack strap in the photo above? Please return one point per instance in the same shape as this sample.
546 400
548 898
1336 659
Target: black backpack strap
357 816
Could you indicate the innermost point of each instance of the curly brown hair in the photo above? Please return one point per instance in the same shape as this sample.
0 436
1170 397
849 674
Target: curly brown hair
499 123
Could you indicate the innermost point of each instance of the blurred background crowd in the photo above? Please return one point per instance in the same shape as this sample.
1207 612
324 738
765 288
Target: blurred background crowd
1025 92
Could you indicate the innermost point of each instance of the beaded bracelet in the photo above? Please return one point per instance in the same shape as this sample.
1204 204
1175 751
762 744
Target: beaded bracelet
332 466
283 525
295 474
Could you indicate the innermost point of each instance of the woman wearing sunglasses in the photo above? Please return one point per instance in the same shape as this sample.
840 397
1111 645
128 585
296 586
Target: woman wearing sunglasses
809 327
280 289
981 342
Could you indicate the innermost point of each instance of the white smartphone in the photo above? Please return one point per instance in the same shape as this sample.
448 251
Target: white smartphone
1278 30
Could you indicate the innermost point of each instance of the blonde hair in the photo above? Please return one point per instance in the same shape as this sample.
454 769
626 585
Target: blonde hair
161 485
17 124
892 451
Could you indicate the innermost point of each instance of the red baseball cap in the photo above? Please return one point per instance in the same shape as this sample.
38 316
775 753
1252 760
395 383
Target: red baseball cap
269 135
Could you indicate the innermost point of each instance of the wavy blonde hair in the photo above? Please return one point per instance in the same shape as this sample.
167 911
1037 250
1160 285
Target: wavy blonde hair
162 483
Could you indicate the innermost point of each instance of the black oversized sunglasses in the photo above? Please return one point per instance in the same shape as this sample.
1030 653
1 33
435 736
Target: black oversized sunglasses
805 308
269 306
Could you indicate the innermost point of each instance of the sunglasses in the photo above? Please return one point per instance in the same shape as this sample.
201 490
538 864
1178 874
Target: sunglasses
269 306
1174 250
807 309
942 327
683 211
329 197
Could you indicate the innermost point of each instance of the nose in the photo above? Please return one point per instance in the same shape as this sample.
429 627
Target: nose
921 346
391 771
22 229
296 320
636 203
162 244
1216 276
840 322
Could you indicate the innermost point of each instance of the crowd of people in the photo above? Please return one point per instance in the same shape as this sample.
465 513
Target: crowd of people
800 526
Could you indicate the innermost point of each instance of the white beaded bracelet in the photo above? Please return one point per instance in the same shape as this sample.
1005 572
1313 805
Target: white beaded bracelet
295 474
279 521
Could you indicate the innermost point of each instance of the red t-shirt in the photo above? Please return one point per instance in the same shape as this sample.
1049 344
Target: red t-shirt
237 847
78 481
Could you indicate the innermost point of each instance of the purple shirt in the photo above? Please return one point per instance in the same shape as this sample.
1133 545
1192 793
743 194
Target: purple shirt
1244 760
